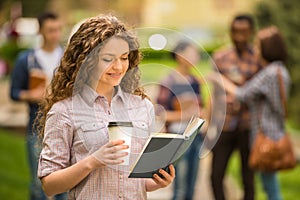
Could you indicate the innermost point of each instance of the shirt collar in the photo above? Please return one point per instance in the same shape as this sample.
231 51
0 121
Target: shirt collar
90 95
119 93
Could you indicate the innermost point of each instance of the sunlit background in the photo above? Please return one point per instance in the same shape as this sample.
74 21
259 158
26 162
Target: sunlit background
205 22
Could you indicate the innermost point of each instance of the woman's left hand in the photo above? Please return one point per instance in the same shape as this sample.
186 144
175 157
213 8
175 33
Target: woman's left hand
167 177
158 182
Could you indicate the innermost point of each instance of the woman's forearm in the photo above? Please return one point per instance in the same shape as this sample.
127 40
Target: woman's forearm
229 86
65 179
173 116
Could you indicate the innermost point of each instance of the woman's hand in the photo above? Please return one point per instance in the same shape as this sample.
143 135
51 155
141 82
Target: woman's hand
158 182
110 153
67 178
217 78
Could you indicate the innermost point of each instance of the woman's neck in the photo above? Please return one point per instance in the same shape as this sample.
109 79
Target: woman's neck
263 62
183 70
106 91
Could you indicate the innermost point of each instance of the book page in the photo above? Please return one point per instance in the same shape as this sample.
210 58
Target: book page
190 133
193 125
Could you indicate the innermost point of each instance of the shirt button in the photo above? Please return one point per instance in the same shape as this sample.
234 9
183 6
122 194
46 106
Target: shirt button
120 195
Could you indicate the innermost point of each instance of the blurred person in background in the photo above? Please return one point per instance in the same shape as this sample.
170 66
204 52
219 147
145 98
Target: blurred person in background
180 95
262 94
238 63
33 70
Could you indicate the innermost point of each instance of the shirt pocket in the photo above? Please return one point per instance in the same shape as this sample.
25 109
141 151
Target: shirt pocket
93 135
140 135
141 129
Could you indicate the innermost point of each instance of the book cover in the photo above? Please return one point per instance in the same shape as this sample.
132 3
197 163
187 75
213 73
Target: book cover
37 78
163 149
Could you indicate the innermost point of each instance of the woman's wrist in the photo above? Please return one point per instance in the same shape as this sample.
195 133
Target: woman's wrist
92 163
151 185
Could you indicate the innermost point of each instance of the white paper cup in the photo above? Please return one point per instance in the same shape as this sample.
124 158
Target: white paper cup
123 131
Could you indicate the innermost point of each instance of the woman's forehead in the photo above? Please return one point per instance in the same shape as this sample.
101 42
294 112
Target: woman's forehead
115 46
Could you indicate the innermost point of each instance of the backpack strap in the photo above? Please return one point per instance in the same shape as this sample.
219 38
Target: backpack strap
31 63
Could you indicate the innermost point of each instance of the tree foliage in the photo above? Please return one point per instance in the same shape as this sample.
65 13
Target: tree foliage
285 15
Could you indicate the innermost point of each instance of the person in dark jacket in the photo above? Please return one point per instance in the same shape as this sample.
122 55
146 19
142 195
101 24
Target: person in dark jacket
32 65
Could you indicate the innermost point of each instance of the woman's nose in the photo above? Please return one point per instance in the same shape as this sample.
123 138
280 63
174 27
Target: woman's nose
117 64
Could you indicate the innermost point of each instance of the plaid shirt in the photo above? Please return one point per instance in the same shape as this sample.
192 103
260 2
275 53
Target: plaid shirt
77 127
239 69
262 94
177 92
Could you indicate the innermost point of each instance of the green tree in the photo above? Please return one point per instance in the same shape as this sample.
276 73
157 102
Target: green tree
285 15
32 8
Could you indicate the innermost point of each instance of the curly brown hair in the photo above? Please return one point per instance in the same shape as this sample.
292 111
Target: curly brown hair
80 59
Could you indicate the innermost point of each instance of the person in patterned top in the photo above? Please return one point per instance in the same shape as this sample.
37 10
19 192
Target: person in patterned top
97 82
262 94
238 63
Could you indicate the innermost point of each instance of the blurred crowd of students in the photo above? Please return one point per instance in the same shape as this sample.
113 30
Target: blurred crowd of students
249 85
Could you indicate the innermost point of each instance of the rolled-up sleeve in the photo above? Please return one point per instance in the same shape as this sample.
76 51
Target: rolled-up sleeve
57 141
258 85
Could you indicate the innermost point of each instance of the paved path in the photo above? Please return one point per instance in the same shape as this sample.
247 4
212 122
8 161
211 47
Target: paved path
202 188
12 114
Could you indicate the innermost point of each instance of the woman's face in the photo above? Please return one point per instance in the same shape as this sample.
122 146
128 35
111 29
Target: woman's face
113 61
189 57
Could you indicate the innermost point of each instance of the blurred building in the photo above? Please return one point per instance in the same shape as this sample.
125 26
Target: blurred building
195 18
195 13
161 13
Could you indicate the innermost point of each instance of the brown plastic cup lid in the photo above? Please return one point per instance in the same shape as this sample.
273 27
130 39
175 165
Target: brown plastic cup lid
128 124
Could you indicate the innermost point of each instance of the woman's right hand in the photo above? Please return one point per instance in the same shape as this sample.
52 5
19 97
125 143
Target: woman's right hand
65 179
110 153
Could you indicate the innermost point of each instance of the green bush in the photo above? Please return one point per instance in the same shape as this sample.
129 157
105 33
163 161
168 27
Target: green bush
9 51
151 54
206 52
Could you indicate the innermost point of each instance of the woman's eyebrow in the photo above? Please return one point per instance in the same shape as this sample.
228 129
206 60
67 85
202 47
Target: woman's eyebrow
111 54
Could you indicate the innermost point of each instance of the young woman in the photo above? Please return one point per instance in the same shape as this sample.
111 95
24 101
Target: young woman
96 82
180 95
262 93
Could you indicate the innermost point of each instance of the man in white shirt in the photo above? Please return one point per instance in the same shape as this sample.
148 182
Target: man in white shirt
43 59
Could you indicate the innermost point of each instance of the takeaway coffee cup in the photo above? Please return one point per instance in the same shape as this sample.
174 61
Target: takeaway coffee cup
123 131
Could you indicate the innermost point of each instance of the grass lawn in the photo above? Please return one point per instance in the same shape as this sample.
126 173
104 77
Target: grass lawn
155 70
14 172
289 180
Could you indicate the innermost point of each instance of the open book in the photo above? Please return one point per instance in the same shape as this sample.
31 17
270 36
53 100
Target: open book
163 149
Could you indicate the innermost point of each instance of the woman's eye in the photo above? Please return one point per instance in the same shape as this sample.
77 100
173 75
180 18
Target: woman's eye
124 58
107 59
